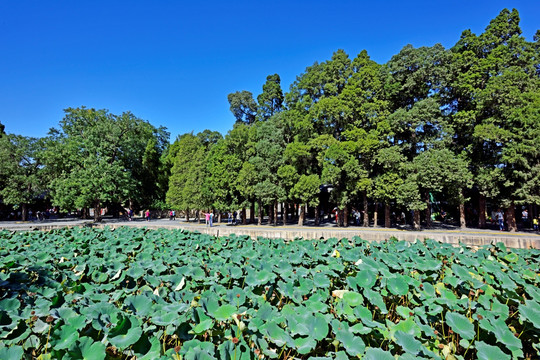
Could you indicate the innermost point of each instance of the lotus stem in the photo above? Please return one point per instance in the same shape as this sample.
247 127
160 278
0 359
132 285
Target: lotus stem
164 335
48 336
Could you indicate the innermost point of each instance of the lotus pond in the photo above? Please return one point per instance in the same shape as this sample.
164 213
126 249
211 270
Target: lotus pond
169 294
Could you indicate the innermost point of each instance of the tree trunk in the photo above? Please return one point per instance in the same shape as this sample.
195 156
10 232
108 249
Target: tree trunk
84 213
511 218
219 217
270 214
97 211
376 215
366 208
387 220
428 211
317 213
24 212
416 220
244 220
346 216
482 212
187 215
252 213
462 219
301 217
259 220
275 212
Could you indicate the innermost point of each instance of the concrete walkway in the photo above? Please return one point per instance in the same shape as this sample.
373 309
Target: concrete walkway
442 233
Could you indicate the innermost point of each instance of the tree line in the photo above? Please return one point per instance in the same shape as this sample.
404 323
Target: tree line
457 126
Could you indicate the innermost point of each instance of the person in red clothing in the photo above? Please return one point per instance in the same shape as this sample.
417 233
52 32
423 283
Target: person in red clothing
147 215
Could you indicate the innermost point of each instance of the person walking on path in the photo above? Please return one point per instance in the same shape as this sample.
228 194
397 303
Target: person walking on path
147 215
535 223
525 218
211 219
500 219
207 219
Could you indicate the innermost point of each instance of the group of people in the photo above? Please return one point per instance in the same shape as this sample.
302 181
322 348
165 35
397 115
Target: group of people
231 218
209 218
499 217
525 219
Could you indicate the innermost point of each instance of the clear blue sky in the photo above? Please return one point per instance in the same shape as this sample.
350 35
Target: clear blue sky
174 62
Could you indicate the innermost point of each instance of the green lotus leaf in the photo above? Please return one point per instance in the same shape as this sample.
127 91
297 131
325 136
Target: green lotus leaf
353 298
463 274
428 265
489 352
135 271
66 337
204 325
499 309
31 342
408 342
365 315
261 277
297 322
147 348
321 280
224 312
404 312
408 326
40 327
505 336
531 312
354 345
11 353
127 332
378 354
461 325
164 318
197 353
209 302
511 257
90 350
99 276
317 327
140 304
276 334
9 305
397 285
304 345
265 312
239 351
366 279
233 296
316 306
376 299
360 329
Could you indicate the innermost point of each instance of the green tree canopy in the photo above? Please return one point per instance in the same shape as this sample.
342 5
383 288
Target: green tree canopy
94 158
21 171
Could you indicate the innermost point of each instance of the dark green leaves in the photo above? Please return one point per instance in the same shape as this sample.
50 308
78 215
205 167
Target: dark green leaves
461 325
290 296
